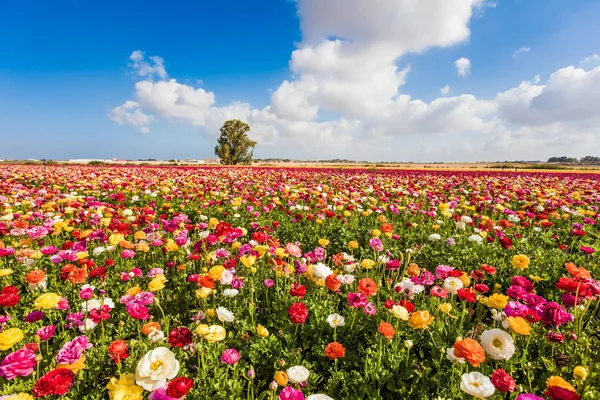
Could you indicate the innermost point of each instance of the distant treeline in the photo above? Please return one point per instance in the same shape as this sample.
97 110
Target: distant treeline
572 160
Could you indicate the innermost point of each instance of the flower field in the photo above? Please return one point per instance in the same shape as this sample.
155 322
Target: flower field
220 283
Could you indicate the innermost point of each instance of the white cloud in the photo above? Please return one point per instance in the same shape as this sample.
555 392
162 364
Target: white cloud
463 66
130 113
521 50
147 69
445 90
592 60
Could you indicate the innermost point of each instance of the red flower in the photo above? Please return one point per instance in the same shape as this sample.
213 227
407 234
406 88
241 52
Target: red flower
9 296
505 242
99 314
98 272
489 269
502 381
455 273
118 351
558 393
481 288
298 313
467 295
410 307
179 387
56 382
180 336
297 290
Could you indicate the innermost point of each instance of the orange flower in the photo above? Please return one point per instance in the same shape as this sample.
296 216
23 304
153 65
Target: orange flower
34 277
413 270
387 330
281 378
470 350
77 275
126 245
149 327
335 350
332 283
578 271
367 287
206 281
387 228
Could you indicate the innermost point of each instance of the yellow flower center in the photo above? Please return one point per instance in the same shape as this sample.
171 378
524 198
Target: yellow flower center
497 343
156 365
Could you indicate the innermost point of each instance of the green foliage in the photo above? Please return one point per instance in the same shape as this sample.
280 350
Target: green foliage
234 146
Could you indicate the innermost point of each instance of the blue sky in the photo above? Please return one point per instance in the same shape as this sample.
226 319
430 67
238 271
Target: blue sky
65 66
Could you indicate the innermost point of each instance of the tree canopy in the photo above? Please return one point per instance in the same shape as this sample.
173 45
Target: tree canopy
234 146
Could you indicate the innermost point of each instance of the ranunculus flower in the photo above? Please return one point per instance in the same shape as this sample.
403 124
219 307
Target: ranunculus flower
298 313
298 374
10 337
498 344
73 350
230 356
477 385
387 330
212 334
179 387
420 320
470 350
502 381
180 336
335 350
56 382
155 367
19 363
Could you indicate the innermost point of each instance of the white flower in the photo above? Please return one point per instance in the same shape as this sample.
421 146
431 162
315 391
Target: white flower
407 284
224 314
350 267
155 368
408 344
477 385
475 238
345 279
230 292
537 228
513 218
321 271
498 344
319 396
156 336
450 356
452 284
434 237
335 320
97 303
466 219
298 374
87 326
461 225
127 212
98 250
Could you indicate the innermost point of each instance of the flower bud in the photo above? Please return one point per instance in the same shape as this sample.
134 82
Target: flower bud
580 373
273 386
408 344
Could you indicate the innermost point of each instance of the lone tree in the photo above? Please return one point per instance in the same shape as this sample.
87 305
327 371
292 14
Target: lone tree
234 146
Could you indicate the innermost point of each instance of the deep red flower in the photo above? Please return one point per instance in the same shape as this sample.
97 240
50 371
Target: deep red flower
505 242
455 273
180 336
297 290
9 296
99 314
558 393
179 387
467 295
502 381
298 313
56 382
481 288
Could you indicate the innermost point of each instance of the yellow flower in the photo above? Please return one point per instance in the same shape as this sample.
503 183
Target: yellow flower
262 331
353 244
536 278
157 283
140 235
216 272
498 301
367 263
171 245
75 367
420 320
5 272
248 261
116 238
323 242
213 222
519 325
134 290
281 378
580 373
210 312
376 232
143 247
559 382
10 337
280 252
203 292
124 388
347 213
82 254
435 226
236 245
399 312
464 278
47 301
445 308
212 334
261 250
19 396
520 261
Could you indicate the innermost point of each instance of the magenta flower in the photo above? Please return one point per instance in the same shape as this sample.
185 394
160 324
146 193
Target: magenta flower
19 363
269 283
160 394
555 315
230 356
289 393
127 253
73 350
587 250
441 272
357 300
34 316
137 311
48 250
46 332
145 298
376 244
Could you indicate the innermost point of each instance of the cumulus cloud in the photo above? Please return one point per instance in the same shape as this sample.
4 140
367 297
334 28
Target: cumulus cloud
344 96
592 60
463 66
521 50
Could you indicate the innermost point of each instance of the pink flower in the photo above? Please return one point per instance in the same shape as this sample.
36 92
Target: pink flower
587 250
46 332
63 304
376 244
357 300
370 309
48 250
269 283
137 311
19 363
230 356
441 272
289 393
127 253
554 314
293 250
73 350
86 293
144 298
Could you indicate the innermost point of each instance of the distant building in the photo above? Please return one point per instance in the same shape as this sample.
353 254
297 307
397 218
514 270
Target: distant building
211 161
